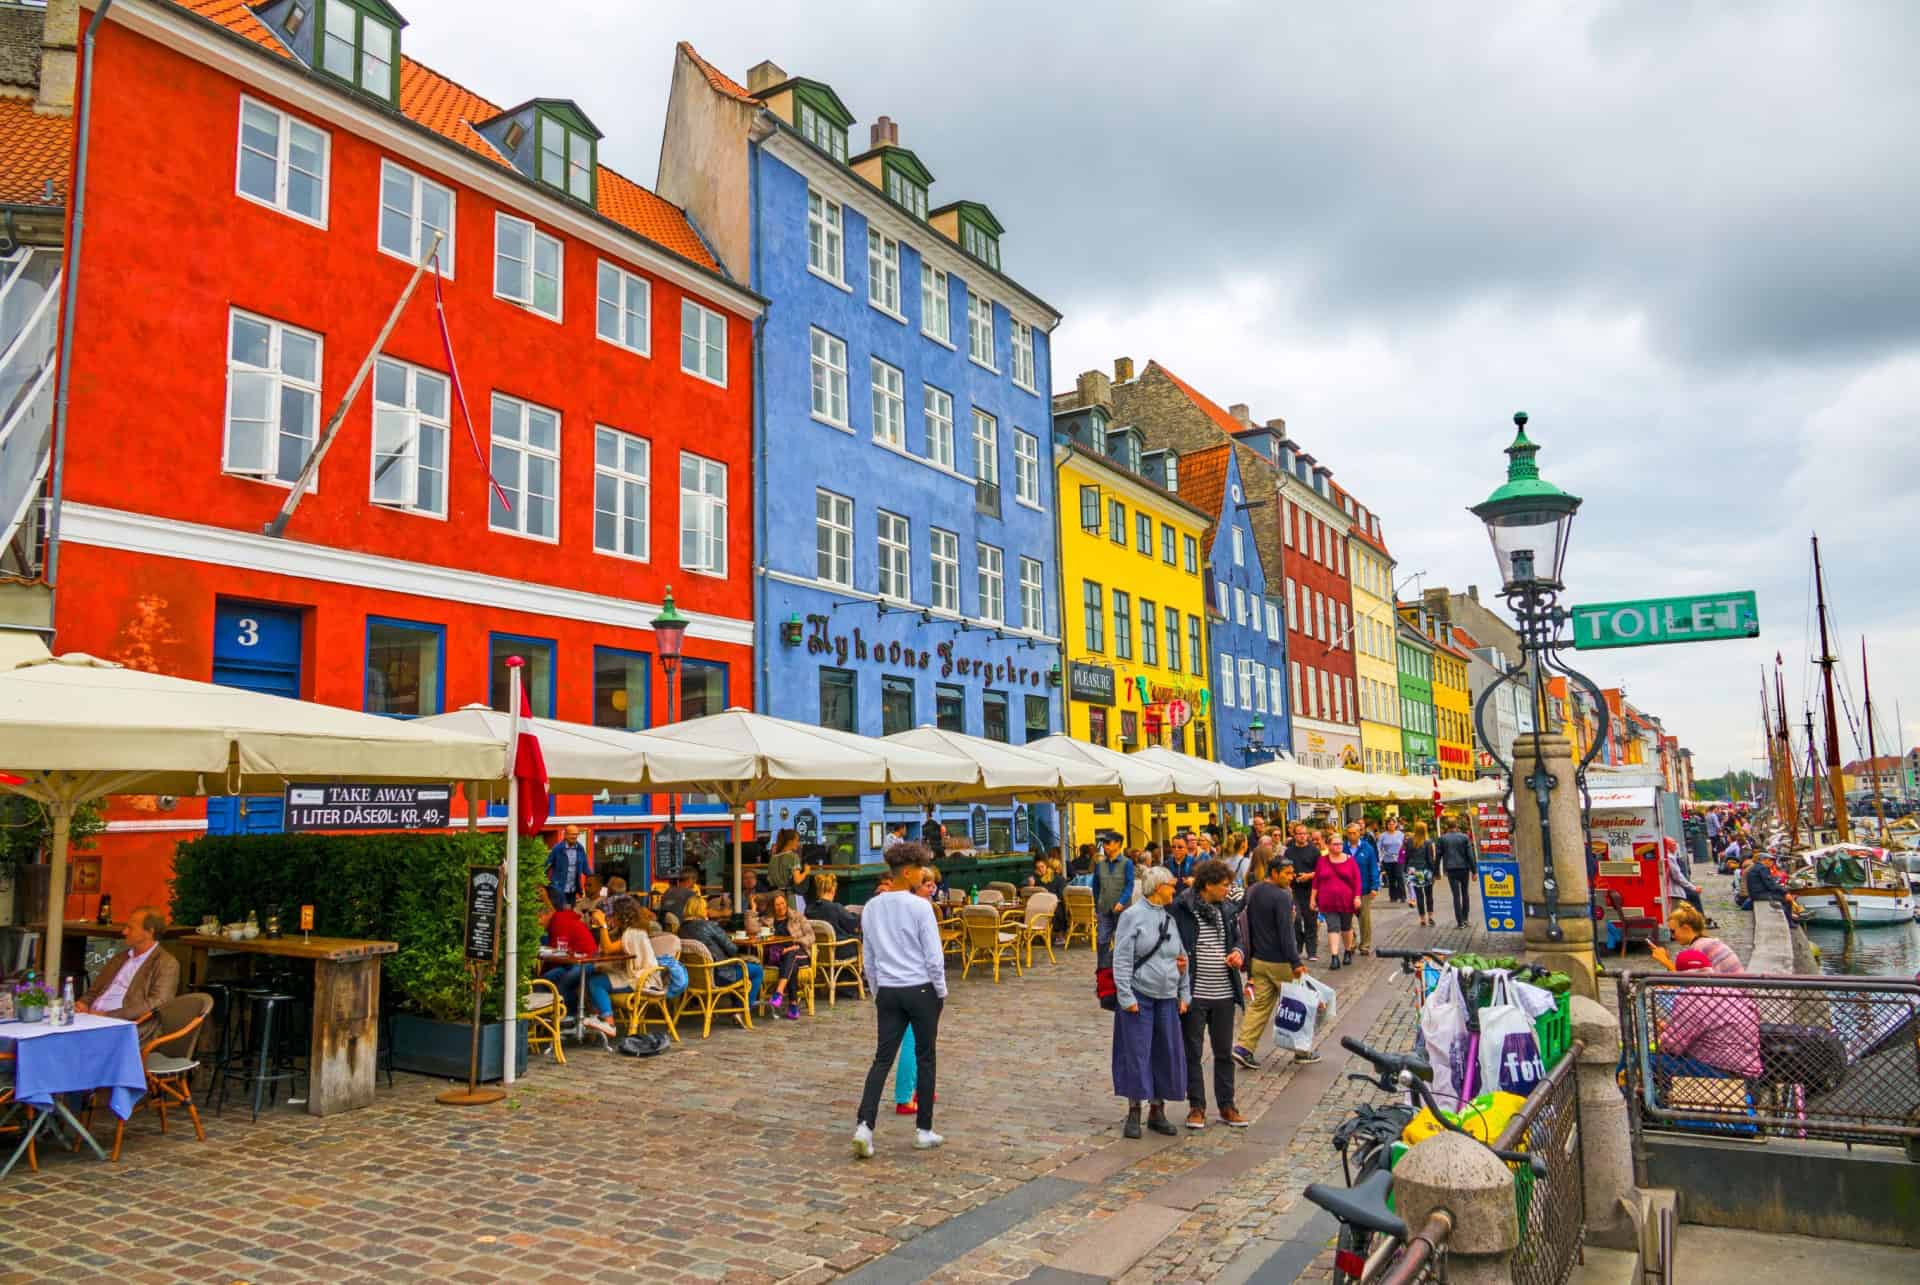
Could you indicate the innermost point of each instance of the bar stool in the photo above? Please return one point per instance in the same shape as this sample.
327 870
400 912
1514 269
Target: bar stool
222 1016
262 1062
234 1001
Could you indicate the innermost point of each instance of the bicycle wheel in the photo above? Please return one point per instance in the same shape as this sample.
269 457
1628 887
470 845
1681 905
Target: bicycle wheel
1350 1254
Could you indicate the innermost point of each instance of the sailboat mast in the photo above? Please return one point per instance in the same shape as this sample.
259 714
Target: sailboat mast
1819 817
1836 780
1873 752
1786 752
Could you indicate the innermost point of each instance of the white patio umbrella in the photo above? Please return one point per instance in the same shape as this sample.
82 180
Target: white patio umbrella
1011 771
75 728
582 759
1230 784
792 760
1299 780
1485 790
1140 782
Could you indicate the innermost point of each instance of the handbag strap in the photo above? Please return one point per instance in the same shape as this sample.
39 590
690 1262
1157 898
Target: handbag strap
1166 931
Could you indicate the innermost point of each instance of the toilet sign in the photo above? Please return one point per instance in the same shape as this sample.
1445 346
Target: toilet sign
1707 617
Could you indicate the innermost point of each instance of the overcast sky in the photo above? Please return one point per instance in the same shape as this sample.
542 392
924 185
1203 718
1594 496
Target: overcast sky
1684 237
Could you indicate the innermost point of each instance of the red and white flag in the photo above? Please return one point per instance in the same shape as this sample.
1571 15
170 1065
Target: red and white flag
530 773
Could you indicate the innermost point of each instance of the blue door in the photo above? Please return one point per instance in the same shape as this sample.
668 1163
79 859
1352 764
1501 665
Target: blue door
258 648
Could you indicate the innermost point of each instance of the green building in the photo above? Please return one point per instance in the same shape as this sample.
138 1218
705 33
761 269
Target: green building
1416 701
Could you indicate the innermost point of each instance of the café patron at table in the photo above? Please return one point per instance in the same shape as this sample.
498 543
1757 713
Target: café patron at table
93 1052
346 1006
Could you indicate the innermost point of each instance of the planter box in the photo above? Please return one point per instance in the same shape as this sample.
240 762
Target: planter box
427 1046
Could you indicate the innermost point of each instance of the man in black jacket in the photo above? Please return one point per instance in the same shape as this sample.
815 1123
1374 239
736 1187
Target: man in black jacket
1304 853
1456 861
1210 930
1273 947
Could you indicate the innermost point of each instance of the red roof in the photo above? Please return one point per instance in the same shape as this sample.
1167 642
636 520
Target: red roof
38 150
1227 423
451 110
1203 482
721 82
1465 639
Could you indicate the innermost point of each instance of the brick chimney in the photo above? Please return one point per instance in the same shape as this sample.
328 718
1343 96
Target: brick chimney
764 76
1123 370
59 39
1279 426
1093 388
886 132
1240 412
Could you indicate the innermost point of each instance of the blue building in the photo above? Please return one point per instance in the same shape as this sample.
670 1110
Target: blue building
903 488
1244 627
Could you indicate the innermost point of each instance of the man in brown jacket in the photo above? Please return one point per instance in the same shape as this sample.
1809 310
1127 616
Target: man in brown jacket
140 978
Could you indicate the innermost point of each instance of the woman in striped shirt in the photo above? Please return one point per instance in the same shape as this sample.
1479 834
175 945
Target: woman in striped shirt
1210 931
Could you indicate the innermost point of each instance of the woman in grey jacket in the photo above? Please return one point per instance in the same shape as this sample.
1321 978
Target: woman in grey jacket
1152 991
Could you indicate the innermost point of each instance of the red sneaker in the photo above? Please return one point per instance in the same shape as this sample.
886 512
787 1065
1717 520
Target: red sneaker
909 1107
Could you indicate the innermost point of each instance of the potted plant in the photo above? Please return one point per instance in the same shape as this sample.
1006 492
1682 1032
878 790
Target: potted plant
31 1000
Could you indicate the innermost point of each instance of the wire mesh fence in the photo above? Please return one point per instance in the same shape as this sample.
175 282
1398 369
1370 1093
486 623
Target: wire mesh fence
1787 1057
1553 1208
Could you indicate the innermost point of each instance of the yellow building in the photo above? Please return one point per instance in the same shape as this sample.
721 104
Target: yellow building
1376 653
1133 618
1453 710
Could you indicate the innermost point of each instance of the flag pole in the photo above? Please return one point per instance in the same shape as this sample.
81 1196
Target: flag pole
510 902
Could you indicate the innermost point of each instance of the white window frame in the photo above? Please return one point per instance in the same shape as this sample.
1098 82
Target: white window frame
708 508
709 321
626 288
1239 548
1276 691
936 407
274 430
1273 622
417 227
827 374
826 239
1190 554
980 331
1220 597
990 570
1286 521
986 447
936 301
1033 597
1225 673
1026 467
889 389
834 528
624 478
516 486
535 237
418 426
883 273
1023 363
285 123
1239 605
944 557
893 540
1299 699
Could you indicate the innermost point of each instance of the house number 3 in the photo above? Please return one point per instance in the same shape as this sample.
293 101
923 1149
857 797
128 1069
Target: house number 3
249 632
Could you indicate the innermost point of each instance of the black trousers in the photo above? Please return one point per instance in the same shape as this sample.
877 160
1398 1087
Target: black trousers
898 1008
1457 880
1306 926
1423 898
1210 1020
1396 882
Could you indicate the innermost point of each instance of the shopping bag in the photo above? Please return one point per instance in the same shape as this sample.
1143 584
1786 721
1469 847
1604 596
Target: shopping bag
1328 998
1509 1050
1296 1018
1444 1033
1535 1001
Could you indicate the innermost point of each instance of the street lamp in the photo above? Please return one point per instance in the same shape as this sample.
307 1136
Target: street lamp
1529 520
669 630
1256 742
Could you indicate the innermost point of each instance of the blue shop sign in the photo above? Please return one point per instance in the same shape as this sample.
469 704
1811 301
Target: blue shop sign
1500 894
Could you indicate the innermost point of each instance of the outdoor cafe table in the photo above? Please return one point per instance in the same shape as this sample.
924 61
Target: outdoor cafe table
346 1008
567 959
93 1053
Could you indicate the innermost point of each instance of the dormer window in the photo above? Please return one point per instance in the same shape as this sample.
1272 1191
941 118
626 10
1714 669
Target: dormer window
552 141
817 129
359 42
516 135
906 193
976 242
973 226
566 157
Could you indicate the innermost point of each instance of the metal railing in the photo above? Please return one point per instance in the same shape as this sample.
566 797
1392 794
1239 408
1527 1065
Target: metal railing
1748 1055
1553 1209
1424 1259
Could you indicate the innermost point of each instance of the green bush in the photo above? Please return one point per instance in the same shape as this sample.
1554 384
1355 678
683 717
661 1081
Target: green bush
404 888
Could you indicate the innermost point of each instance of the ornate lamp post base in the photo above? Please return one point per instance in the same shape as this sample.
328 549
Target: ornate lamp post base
1572 952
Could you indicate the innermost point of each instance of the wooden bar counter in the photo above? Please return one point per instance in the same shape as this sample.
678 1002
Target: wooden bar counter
346 1007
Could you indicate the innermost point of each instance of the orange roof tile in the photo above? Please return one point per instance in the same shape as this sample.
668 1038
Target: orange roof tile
1203 482
451 110
721 82
38 149
1466 639
1227 423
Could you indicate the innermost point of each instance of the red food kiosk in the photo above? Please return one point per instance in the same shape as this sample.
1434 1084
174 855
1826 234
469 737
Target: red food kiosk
1628 828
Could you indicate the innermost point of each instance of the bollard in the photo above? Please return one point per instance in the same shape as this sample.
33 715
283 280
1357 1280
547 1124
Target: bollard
1606 1137
1457 1174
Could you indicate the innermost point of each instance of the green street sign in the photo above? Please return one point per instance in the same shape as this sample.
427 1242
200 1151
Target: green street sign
1706 617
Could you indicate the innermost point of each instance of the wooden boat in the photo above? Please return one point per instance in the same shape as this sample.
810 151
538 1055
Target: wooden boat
1851 883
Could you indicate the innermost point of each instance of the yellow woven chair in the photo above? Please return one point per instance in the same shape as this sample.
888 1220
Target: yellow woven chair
1009 895
631 1007
986 941
1082 918
1037 927
837 961
708 996
543 1010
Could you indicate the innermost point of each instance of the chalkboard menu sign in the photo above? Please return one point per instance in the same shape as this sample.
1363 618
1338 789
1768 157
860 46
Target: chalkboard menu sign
1022 834
483 913
978 826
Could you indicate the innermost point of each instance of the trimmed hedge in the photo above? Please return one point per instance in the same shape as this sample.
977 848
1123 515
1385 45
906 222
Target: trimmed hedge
399 887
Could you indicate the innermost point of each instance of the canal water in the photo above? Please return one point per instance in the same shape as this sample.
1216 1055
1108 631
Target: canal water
1891 950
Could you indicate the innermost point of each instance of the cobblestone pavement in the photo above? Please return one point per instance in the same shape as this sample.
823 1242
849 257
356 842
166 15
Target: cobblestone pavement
725 1159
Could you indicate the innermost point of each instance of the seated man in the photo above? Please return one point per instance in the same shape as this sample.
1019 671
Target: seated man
830 912
567 931
139 979
673 903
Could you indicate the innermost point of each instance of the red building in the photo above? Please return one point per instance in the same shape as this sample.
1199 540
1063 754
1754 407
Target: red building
261 182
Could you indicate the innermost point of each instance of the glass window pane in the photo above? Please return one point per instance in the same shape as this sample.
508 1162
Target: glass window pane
403 670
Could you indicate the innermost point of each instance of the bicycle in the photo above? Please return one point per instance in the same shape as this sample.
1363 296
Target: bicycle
1361 1206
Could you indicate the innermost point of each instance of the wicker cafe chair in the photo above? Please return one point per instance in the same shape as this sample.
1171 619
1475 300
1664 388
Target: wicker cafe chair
953 937
986 941
989 896
837 961
707 995
169 1063
1082 919
543 1009
1008 893
628 1005
6 1100
1038 926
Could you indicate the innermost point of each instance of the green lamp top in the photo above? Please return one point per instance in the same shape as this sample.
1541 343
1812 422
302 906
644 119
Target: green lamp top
669 614
1524 486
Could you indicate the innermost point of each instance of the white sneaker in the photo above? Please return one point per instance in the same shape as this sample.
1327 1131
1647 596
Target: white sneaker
599 1026
863 1143
926 1140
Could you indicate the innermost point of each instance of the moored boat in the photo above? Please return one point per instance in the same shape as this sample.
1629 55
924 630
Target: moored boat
1849 881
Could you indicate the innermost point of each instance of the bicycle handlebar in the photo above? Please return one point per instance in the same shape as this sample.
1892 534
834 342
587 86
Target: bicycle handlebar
1389 1065
1402 952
